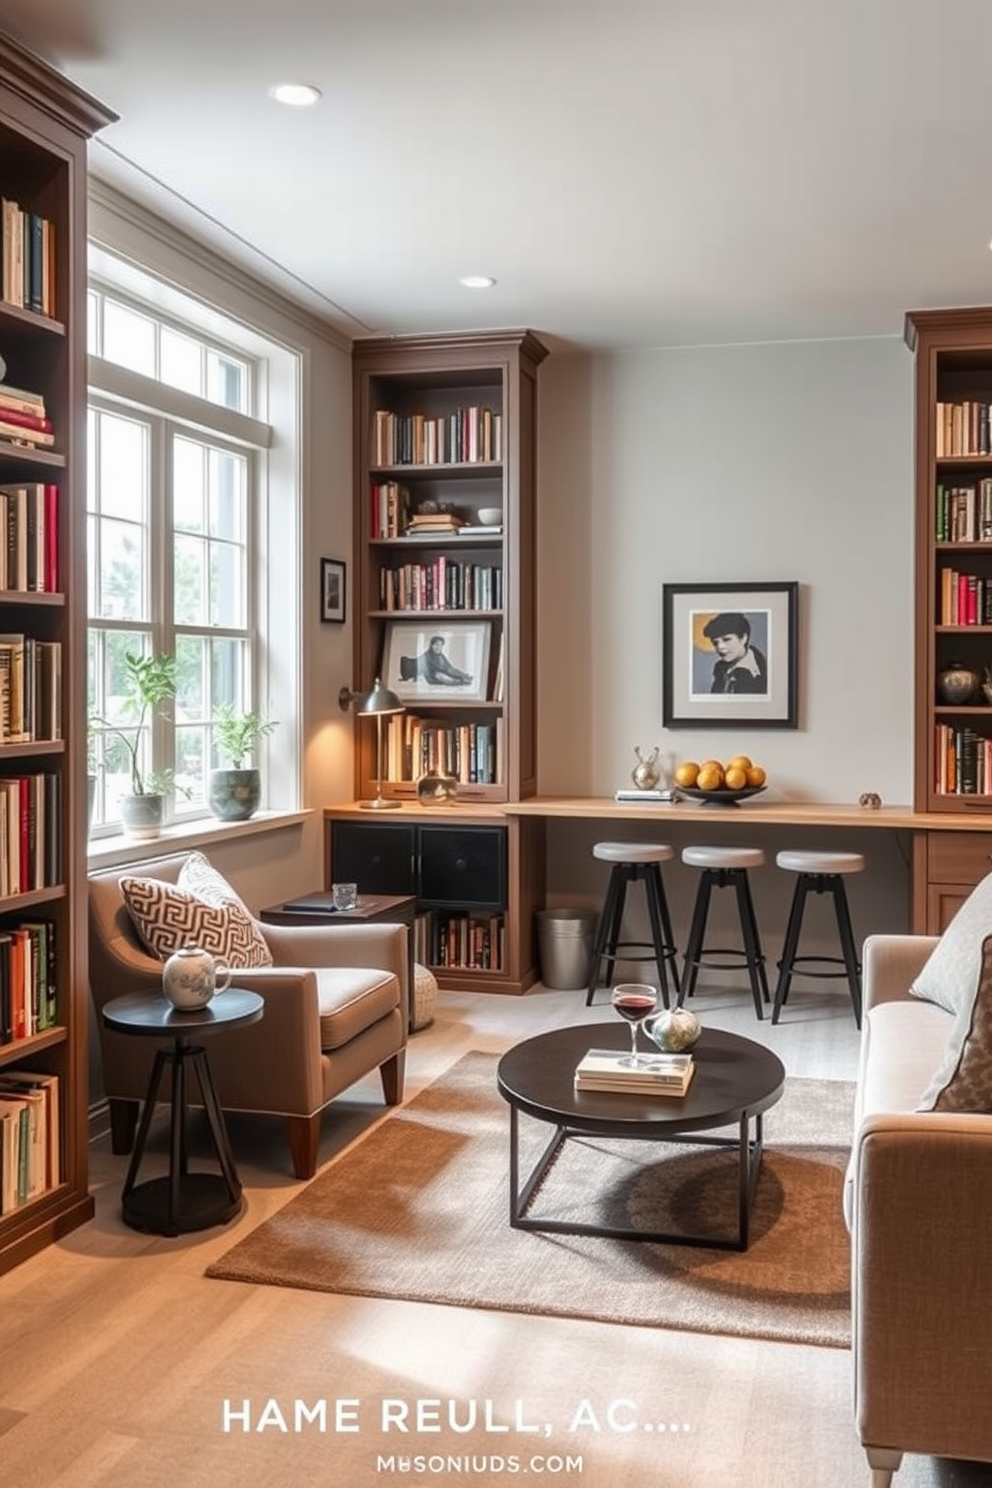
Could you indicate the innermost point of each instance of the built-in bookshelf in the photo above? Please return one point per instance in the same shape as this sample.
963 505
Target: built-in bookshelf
445 535
45 122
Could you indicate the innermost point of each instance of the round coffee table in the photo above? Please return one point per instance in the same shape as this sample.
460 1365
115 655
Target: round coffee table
182 1201
736 1080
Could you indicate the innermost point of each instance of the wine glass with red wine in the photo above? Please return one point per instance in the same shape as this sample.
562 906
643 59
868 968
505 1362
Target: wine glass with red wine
634 1001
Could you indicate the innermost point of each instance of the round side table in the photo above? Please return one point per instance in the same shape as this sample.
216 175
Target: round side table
182 1201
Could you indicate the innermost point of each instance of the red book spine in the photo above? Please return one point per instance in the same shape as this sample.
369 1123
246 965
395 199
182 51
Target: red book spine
51 539
27 420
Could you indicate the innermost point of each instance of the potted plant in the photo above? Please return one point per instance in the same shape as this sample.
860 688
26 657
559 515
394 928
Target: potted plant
235 793
150 681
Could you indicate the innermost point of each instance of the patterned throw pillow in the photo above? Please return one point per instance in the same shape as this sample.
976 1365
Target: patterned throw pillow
201 909
950 976
964 1080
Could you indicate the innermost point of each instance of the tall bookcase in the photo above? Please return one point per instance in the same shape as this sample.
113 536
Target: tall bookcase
445 492
45 122
447 424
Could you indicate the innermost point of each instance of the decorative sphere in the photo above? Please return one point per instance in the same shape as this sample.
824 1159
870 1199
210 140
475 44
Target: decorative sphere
674 1030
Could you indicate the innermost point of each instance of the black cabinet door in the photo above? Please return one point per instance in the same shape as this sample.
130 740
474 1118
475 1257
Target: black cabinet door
463 867
380 859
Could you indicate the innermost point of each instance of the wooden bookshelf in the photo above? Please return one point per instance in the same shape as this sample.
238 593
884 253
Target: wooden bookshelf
45 122
445 428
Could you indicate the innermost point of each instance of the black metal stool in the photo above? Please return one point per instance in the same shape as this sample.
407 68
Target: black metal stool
819 873
632 861
725 868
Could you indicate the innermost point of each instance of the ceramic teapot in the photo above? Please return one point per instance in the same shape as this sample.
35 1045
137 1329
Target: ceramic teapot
191 976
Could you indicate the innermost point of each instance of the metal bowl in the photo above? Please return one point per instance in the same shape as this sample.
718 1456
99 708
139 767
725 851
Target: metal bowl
720 797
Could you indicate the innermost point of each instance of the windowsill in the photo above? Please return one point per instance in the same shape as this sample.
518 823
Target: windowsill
107 852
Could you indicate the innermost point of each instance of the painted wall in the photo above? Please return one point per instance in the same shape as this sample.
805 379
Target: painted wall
750 463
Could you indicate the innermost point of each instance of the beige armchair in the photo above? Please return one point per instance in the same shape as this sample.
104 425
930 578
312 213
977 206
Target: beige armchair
335 1010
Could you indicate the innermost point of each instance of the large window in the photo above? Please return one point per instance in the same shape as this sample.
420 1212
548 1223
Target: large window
177 502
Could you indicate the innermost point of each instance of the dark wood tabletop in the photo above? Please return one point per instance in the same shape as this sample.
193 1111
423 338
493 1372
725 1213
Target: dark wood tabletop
734 1076
153 1015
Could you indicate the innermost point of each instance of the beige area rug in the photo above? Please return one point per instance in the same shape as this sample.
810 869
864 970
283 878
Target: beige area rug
418 1209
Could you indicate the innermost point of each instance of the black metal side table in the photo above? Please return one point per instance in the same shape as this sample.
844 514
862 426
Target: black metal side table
182 1201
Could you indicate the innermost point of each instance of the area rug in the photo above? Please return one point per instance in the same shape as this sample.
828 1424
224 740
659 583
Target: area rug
418 1209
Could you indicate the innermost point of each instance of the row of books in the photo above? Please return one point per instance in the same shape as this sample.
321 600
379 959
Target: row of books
463 436
30 1149
27 251
442 584
965 599
470 752
963 761
23 419
471 942
964 513
30 689
28 986
29 538
30 833
654 1074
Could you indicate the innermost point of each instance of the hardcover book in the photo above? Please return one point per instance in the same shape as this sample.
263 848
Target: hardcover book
661 1074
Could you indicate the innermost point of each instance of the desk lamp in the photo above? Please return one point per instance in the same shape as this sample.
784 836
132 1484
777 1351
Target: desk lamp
379 704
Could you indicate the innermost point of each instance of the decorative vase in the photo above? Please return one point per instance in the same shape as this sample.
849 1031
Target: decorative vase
435 789
645 773
191 976
674 1030
235 795
957 683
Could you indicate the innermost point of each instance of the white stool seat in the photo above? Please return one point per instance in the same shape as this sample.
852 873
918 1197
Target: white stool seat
798 861
723 857
633 852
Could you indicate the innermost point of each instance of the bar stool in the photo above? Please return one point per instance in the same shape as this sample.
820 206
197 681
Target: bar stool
632 861
725 868
819 873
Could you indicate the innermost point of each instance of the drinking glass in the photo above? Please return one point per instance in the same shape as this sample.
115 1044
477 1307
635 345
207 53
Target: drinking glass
634 1001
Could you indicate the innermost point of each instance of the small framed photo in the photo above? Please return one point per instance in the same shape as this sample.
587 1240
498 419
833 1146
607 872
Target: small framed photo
333 579
730 655
424 661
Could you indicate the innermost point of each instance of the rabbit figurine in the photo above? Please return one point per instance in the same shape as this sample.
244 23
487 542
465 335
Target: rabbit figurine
645 773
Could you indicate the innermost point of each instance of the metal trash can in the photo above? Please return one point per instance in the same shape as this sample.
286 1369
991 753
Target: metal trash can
565 939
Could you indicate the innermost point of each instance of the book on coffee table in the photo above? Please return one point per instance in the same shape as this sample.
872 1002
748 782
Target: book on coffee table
659 1074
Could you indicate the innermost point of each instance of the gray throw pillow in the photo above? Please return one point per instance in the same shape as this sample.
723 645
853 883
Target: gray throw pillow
950 975
964 1080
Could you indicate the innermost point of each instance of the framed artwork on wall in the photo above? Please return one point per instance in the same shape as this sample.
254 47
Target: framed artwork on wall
731 655
428 661
333 582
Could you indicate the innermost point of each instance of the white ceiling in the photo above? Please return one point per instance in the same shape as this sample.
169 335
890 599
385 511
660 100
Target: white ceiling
633 172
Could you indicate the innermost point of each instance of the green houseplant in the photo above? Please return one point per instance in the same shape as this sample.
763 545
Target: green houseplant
235 792
150 681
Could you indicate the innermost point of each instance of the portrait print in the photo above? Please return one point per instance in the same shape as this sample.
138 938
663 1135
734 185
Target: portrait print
730 655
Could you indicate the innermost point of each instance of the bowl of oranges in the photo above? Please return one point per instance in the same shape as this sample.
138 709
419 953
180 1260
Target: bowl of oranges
719 783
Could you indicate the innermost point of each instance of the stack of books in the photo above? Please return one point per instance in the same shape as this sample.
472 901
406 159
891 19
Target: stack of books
22 418
655 1074
440 521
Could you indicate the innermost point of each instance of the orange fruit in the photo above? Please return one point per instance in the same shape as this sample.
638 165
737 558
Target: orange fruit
686 773
739 762
710 776
734 777
756 775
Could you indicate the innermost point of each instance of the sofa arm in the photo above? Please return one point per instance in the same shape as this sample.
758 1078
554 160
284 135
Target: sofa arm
890 963
922 1255
379 945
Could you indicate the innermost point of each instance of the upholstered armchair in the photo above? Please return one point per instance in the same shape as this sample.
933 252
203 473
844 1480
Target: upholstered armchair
336 999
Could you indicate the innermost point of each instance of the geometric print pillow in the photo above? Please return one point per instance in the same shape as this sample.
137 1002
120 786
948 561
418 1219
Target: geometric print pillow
964 1080
200 910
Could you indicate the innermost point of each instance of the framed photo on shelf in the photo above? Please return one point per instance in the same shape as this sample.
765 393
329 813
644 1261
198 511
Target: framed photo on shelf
333 581
730 655
435 662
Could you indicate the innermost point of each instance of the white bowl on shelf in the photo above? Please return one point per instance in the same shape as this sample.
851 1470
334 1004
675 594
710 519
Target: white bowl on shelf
490 516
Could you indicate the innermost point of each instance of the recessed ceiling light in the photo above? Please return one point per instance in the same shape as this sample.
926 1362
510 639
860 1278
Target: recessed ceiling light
297 95
477 281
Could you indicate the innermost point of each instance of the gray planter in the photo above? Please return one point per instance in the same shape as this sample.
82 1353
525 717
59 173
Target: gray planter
141 816
234 795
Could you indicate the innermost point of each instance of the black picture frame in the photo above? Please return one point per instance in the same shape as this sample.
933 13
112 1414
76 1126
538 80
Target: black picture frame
711 681
333 590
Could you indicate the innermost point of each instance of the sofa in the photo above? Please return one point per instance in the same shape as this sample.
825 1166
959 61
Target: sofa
918 1197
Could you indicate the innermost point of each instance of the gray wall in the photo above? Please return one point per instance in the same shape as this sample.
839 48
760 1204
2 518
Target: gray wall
750 463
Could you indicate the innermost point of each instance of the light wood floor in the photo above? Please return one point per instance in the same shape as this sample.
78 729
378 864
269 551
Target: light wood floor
118 1358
